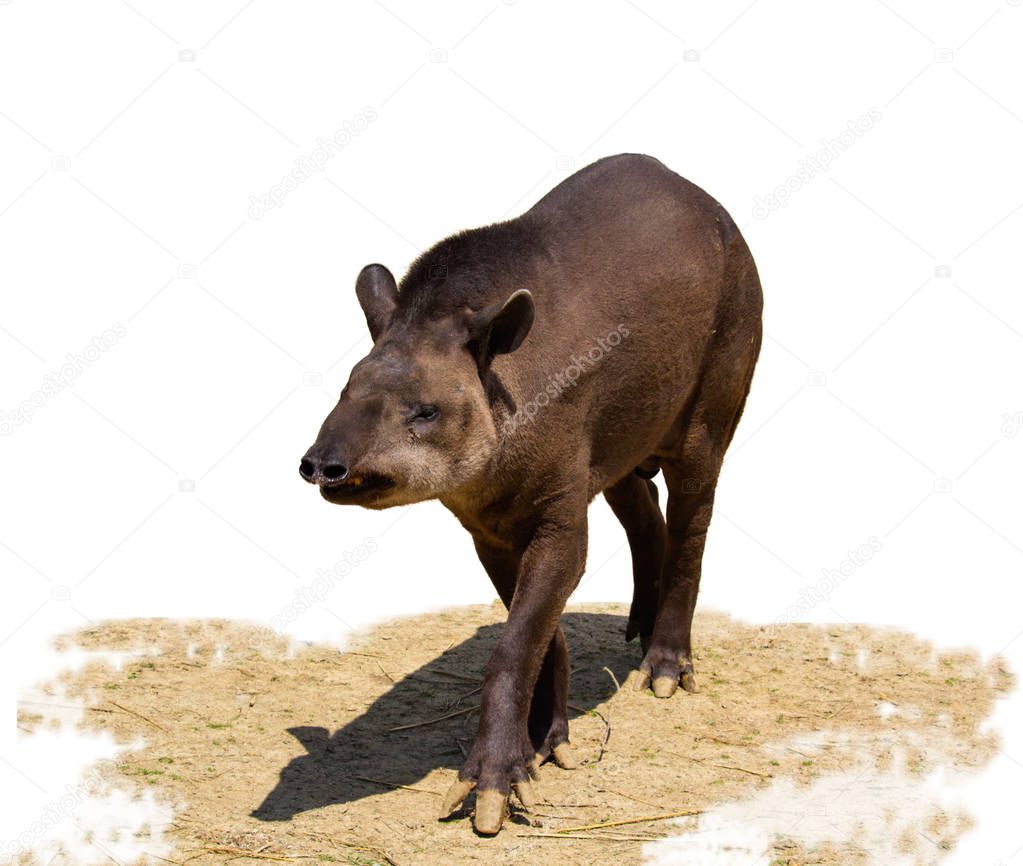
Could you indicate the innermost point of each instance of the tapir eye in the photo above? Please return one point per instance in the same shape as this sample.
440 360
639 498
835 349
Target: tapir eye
425 413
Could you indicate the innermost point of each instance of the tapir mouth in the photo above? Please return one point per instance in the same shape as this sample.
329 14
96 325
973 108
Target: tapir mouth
354 486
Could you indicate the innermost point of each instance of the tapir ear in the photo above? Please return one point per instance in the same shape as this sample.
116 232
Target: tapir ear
378 294
501 327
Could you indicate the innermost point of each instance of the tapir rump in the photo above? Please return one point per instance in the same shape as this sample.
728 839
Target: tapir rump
518 370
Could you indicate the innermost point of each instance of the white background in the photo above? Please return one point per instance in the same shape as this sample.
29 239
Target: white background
886 404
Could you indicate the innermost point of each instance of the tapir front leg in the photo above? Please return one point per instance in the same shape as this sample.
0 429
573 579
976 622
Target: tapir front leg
502 754
548 711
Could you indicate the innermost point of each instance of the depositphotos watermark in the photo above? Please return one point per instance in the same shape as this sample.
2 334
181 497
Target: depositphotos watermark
307 166
560 382
312 594
1011 424
815 164
832 578
51 815
60 380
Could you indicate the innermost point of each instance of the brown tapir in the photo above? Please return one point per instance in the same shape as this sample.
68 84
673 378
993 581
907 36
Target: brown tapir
522 368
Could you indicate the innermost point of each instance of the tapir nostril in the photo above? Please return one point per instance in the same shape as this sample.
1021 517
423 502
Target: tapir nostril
306 469
335 471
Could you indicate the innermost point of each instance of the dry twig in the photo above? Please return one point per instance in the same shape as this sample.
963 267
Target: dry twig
680 814
252 855
628 797
582 838
607 719
140 716
461 712
455 674
394 785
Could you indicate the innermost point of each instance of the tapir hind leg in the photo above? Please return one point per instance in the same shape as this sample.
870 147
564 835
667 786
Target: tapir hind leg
634 502
691 475
668 659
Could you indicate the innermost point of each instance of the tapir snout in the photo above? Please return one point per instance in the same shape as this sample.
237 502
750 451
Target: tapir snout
325 469
338 462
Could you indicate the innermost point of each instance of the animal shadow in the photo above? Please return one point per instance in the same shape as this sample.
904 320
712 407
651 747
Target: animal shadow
356 759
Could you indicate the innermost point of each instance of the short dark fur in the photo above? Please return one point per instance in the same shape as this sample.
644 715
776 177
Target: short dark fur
461 271
490 398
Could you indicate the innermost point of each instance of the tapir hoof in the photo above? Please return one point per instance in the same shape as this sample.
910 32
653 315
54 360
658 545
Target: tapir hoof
491 805
454 797
564 757
639 680
526 792
665 687
490 808
663 674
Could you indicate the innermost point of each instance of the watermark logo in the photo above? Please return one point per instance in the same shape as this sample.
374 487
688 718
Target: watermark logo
815 164
1011 424
831 579
566 378
311 594
56 381
307 166
52 814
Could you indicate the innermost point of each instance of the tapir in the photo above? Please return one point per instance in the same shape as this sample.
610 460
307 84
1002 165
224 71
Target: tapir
607 334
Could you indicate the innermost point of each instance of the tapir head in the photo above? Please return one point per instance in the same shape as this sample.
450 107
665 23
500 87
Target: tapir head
414 421
297 785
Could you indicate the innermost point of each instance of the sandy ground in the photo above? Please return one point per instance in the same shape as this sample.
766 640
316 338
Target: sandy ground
275 753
